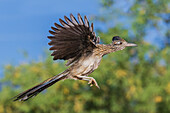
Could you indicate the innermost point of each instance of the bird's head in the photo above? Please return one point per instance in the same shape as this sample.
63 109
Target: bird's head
120 43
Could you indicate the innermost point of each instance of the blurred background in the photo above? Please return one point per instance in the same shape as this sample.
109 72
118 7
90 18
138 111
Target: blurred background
135 80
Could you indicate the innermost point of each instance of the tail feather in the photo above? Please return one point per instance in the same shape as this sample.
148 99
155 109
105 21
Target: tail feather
39 88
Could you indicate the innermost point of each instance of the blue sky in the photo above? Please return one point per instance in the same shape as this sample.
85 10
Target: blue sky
24 25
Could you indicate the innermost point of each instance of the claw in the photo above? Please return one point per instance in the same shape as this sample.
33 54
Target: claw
93 82
90 80
91 85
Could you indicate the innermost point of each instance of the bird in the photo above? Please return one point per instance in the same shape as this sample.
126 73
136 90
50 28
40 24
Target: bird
74 40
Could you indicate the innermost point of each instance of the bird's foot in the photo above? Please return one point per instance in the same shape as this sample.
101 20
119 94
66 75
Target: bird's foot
93 82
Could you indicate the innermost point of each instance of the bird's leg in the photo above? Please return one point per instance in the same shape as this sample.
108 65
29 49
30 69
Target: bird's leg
90 80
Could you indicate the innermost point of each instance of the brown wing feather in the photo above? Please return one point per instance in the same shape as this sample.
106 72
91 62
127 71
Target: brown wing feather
72 39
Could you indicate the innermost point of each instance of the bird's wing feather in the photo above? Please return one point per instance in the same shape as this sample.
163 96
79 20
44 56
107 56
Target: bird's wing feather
72 39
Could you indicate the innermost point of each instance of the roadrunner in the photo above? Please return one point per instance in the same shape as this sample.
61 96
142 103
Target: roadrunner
76 42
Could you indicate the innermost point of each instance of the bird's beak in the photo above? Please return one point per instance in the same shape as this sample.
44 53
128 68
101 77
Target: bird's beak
130 44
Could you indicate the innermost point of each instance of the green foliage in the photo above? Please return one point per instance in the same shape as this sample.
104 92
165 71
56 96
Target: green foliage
135 80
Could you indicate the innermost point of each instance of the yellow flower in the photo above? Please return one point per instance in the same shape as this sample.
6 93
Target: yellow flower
8 110
8 66
78 105
142 12
1 109
131 92
158 99
132 89
75 86
167 89
130 81
55 64
17 73
121 73
66 91
35 69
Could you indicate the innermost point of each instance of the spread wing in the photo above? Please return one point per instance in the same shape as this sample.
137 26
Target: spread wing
72 39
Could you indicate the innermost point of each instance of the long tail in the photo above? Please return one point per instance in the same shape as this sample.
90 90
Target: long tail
40 87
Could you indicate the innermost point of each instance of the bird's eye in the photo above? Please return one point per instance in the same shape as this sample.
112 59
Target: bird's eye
118 43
